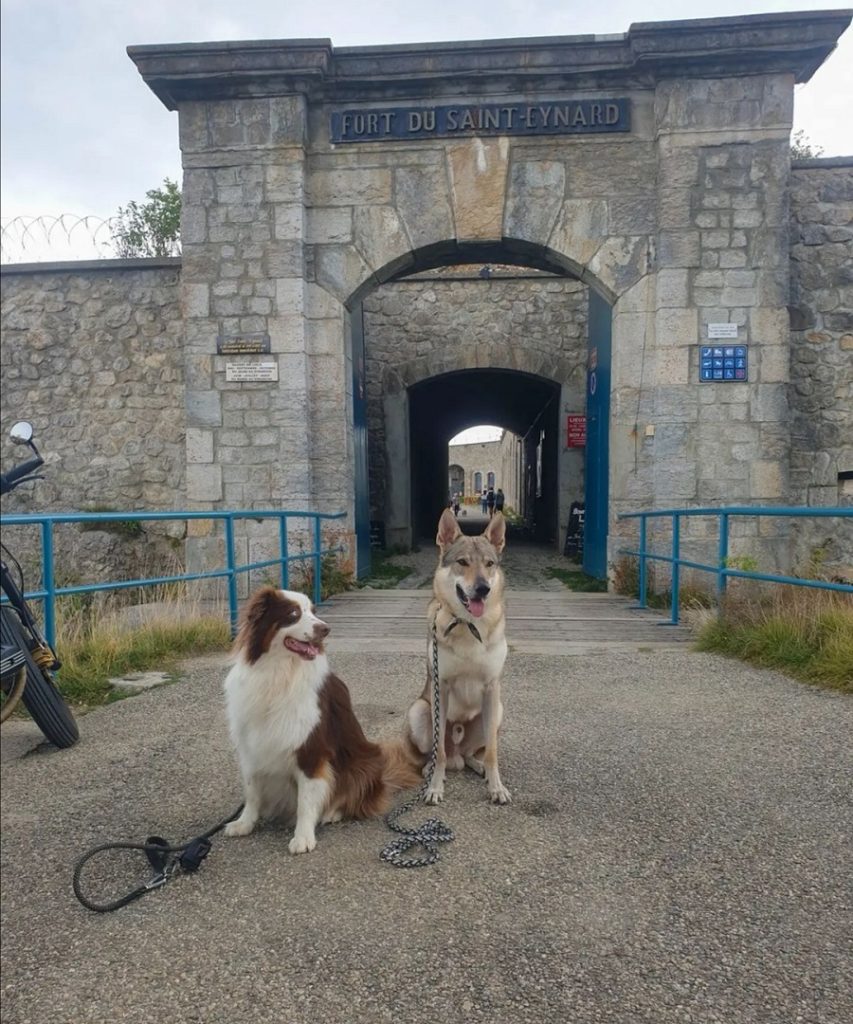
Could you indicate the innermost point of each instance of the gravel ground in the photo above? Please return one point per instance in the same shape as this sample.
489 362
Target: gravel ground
677 850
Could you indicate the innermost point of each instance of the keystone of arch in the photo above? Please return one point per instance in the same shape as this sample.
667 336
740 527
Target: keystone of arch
488 357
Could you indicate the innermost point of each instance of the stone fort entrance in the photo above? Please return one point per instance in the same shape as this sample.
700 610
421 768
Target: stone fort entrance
652 168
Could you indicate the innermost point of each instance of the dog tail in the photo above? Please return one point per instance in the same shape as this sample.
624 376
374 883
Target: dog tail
402 768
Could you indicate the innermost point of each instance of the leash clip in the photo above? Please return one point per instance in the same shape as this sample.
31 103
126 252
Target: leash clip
164 876
157 881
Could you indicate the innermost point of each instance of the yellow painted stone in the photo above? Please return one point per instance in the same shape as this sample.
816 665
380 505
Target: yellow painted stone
478 176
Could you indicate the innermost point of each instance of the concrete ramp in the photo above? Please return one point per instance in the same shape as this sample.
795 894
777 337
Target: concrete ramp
538 622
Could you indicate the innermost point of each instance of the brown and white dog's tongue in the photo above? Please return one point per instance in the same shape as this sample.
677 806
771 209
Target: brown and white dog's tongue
476 607
303 649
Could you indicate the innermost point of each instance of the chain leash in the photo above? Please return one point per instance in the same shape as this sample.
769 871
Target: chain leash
433 830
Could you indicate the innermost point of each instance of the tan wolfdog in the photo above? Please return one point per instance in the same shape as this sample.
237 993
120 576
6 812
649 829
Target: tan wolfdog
466 618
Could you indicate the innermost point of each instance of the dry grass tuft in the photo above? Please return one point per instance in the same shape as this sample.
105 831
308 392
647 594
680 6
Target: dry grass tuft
805 632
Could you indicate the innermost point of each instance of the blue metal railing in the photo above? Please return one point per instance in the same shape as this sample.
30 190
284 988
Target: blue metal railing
721 570
50 591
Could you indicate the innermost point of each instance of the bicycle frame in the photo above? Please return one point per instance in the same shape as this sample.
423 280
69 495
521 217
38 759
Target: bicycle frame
19 603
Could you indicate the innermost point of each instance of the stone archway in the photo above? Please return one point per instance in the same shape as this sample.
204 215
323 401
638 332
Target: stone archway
423 407
675 213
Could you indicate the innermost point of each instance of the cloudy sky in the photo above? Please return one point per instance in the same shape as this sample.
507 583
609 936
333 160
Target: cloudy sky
82 134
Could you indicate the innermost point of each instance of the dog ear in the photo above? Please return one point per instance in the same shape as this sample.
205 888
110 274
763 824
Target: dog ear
259 604
448 530
495 532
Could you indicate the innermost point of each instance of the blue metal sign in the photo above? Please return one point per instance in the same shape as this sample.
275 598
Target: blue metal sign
723 363
550 117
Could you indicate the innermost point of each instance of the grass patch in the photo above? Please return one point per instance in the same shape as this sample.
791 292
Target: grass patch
626 581
806 633
576 579
97 645
385 574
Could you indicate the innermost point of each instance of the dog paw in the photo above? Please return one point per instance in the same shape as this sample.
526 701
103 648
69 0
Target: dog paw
434 795
239 828
302 844
499 794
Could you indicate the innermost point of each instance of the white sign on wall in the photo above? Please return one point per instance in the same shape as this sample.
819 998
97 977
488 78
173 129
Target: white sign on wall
251 371
722 330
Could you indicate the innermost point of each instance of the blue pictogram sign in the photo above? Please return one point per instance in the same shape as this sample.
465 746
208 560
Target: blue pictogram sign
723 363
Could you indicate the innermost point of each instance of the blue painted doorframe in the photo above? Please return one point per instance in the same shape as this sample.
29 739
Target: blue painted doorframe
359 416
597 437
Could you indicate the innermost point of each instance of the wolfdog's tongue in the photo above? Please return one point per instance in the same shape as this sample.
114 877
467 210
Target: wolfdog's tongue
476 607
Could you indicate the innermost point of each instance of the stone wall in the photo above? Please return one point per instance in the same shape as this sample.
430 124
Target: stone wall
95 357
821 393
92 356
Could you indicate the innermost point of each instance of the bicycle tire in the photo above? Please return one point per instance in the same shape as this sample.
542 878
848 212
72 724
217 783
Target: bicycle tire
41 697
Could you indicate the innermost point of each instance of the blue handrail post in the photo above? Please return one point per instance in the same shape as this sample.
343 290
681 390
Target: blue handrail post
675 567
318 563
232 575
49 581
723 556
282 547
642 582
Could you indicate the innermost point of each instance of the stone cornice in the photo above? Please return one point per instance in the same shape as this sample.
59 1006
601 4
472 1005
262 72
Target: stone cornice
821 163
80 266
794 43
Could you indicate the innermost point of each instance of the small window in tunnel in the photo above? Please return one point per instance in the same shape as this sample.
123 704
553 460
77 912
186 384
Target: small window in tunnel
478 482
490 480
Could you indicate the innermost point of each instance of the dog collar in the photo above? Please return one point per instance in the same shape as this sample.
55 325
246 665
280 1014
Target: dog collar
474 631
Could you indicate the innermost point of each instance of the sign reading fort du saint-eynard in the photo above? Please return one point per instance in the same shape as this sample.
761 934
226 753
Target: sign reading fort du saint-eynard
552 117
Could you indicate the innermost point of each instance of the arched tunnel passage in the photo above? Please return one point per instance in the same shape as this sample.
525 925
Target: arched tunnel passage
442 406
508 336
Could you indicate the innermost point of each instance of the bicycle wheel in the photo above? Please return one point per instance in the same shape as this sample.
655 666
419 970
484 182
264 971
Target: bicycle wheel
41 698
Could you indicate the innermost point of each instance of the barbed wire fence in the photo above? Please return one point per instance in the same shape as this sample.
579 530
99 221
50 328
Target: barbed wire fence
67 236
33 239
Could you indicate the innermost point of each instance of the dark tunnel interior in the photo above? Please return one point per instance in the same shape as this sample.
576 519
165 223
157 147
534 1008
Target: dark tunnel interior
441 407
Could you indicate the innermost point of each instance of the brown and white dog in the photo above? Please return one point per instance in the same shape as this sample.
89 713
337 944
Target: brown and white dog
467 611
300 746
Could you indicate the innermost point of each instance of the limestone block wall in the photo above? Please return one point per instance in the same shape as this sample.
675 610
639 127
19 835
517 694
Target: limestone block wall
466 322
92 355
821 392
284 443
681 224
721 257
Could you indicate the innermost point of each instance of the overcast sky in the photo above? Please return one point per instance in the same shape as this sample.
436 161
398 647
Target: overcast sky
82 134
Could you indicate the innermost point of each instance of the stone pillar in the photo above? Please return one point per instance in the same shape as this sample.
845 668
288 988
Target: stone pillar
723 162
398 493
248 444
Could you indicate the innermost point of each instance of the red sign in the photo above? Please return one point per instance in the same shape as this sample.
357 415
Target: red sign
575 431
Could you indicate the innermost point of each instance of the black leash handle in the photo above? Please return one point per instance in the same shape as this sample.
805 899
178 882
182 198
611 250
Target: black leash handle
161 857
